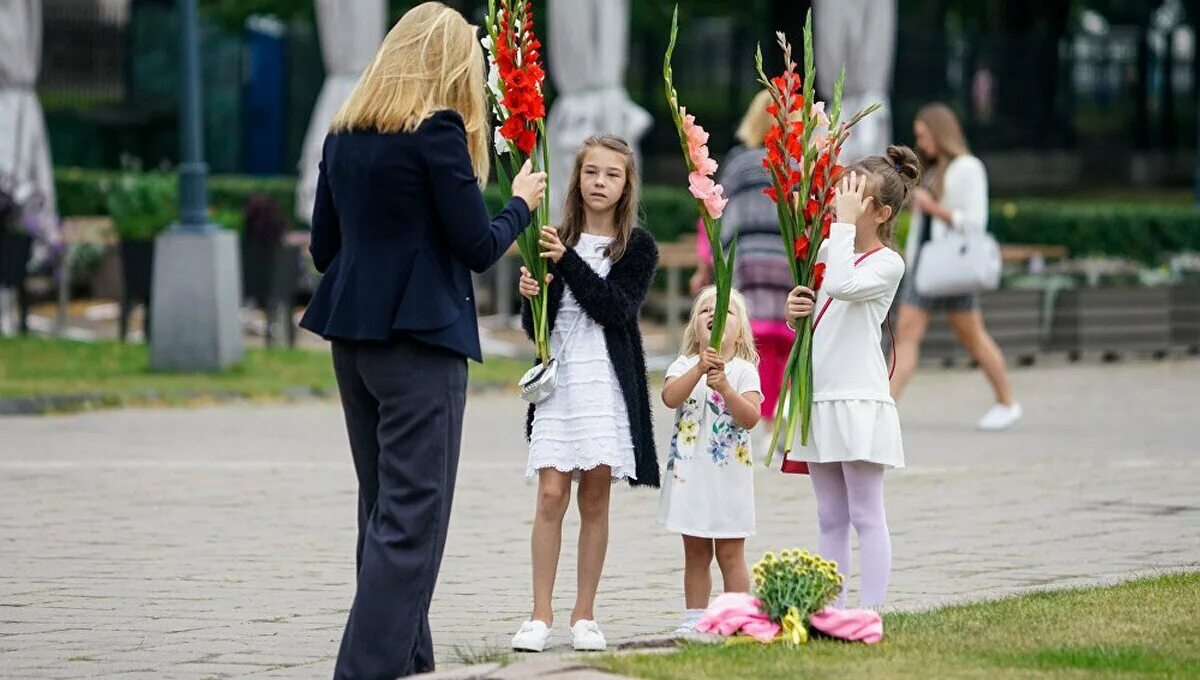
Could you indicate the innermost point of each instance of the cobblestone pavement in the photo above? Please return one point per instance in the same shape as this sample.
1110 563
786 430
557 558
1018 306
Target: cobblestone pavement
219 542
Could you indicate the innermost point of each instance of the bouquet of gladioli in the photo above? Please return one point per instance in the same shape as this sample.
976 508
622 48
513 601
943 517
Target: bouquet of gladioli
802 145
710 196
515 79
792 587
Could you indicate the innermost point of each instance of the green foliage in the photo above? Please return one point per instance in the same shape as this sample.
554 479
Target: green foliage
1145 233
141 204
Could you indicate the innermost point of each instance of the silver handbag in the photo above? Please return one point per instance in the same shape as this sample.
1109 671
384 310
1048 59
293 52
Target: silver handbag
958 264
539 382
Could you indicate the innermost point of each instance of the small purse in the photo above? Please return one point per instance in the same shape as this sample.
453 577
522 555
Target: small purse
539 382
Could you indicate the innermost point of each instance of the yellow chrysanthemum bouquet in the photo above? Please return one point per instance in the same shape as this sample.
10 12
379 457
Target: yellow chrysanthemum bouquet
794 586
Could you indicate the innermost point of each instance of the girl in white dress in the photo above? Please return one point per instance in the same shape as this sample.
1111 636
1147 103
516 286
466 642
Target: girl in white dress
595 428
855 432
708 495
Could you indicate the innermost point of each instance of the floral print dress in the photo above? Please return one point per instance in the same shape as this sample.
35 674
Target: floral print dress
708 490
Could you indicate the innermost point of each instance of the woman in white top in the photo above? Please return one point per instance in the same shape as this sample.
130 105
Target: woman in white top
855 432
953 195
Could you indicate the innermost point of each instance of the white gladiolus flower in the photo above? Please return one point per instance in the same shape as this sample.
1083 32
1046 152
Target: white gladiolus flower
500 142
493 81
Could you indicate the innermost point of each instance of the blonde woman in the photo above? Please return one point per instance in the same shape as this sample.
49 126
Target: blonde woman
953 195
398 225
760 270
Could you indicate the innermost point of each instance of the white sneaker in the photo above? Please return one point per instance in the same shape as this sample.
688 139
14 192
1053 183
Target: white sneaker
532 637
686 628
1000 417
586 637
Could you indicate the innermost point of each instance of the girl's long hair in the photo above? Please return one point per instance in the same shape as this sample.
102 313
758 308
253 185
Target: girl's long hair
625 218
743 348
430 61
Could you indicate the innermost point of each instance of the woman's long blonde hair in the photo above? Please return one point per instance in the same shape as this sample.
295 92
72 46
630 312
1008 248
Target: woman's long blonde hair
943 126
625 213
429 61
756 122
743 348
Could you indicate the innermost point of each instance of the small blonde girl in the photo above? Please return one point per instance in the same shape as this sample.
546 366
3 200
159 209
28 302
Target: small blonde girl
708 494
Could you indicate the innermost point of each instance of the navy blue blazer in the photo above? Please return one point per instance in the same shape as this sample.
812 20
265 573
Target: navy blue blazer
398 225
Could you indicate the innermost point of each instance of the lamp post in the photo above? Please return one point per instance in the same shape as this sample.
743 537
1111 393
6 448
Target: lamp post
193 191
197 278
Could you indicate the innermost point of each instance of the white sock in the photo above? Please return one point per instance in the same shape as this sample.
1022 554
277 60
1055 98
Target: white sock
692 614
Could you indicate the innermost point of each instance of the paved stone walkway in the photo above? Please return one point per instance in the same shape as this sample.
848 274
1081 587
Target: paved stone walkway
219 542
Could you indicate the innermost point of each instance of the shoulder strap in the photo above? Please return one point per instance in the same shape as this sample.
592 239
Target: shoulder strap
828 300
887 317
571 331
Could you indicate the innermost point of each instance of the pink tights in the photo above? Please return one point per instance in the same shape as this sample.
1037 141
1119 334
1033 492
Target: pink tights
851 493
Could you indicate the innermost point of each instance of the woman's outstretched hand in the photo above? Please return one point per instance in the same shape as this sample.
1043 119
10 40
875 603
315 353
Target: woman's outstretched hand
529 185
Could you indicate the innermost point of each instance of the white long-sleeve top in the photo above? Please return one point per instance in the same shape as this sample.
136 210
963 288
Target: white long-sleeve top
964 194
847 360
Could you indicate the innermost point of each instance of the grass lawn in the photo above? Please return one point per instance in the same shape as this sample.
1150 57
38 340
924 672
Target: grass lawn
1144 628
119 374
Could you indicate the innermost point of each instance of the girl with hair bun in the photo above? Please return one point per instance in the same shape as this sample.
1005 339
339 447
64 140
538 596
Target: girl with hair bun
855 432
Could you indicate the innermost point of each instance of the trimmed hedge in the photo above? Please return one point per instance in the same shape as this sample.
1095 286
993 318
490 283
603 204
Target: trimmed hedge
1143 232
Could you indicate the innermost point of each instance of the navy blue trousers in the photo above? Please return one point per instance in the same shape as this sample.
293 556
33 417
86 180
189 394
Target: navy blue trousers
403 403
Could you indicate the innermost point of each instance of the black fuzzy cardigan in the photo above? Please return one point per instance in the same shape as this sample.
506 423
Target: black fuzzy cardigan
614 302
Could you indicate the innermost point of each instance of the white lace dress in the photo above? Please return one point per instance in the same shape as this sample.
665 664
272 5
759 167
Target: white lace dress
584 423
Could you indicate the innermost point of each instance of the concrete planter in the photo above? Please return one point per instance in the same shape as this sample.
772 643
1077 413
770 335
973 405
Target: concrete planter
1112 321
1013 317
137 274
15 249
1185 317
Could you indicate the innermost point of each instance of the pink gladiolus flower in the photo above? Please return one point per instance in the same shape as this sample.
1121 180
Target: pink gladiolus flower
707 167
715 205
698 154
701 185
709 192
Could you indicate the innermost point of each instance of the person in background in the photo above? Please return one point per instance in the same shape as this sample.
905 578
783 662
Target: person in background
953 195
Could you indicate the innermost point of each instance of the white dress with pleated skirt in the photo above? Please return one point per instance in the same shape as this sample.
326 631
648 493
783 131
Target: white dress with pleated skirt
854 417
584 423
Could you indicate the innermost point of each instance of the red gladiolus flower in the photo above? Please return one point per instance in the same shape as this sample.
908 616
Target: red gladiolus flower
526 141
825 224
801 247
818 275
770 193
512 127
810 209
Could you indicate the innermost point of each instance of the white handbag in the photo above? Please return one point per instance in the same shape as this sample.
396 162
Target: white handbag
958 264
